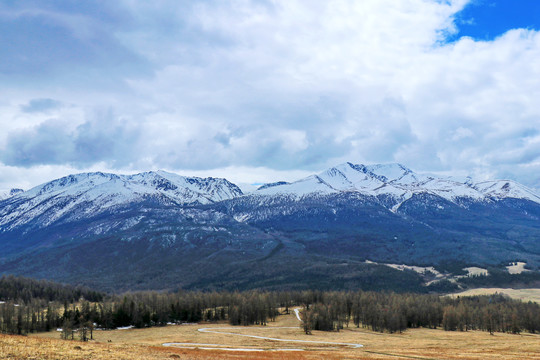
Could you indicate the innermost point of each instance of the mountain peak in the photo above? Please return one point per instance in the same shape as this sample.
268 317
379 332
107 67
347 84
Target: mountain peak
391 172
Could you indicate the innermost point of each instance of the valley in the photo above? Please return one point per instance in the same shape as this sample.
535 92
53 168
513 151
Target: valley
373 246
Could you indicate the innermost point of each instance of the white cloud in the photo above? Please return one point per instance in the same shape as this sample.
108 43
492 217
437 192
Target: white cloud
462 133
303 85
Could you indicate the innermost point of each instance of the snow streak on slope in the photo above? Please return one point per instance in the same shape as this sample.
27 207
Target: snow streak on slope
311 184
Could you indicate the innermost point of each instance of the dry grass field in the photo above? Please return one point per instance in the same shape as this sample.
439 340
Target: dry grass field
147 344
520 294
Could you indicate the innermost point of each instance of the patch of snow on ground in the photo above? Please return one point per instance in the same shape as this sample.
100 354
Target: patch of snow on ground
517 267
476 271
296 311
241 217
438 276
220 347
395 208
213 331
418 269
471 271
125 327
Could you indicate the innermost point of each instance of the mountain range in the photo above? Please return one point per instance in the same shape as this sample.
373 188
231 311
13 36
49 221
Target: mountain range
160 230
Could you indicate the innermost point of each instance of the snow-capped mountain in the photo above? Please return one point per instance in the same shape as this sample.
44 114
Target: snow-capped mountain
91 193
82 195
128 230
397 182
113 189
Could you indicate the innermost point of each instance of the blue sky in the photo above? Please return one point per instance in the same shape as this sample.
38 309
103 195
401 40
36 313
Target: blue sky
259 90
488 19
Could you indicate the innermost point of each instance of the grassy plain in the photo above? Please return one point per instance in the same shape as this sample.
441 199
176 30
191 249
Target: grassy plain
520 294
147 344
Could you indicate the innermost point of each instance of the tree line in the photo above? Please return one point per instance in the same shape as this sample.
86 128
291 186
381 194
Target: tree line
140 309
39 307
392 312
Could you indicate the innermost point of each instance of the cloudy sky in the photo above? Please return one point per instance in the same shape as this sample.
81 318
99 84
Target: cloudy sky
268 90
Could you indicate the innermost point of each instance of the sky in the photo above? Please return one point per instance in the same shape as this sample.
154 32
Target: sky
266 90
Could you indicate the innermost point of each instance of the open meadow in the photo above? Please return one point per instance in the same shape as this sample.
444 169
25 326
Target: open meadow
226 342
518 294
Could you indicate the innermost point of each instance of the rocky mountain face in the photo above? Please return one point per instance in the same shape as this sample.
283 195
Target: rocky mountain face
83 195
161 230
4 194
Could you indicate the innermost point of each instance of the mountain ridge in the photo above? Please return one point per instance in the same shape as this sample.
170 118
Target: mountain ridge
397 180
106 190
377 176
393 182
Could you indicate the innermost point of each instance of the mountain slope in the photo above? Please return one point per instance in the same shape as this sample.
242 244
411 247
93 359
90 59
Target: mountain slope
391 214
81 195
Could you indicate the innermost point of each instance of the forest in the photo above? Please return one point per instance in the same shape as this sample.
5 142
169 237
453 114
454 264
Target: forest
28 305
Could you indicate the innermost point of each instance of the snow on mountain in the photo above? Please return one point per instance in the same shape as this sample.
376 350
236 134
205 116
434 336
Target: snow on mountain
342 178
4 194
99 191
311 185
189 189
393 173
349 177
114 189
398 182
500 189
81 195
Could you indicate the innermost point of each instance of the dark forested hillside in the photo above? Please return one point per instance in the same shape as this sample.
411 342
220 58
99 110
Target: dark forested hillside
25 290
